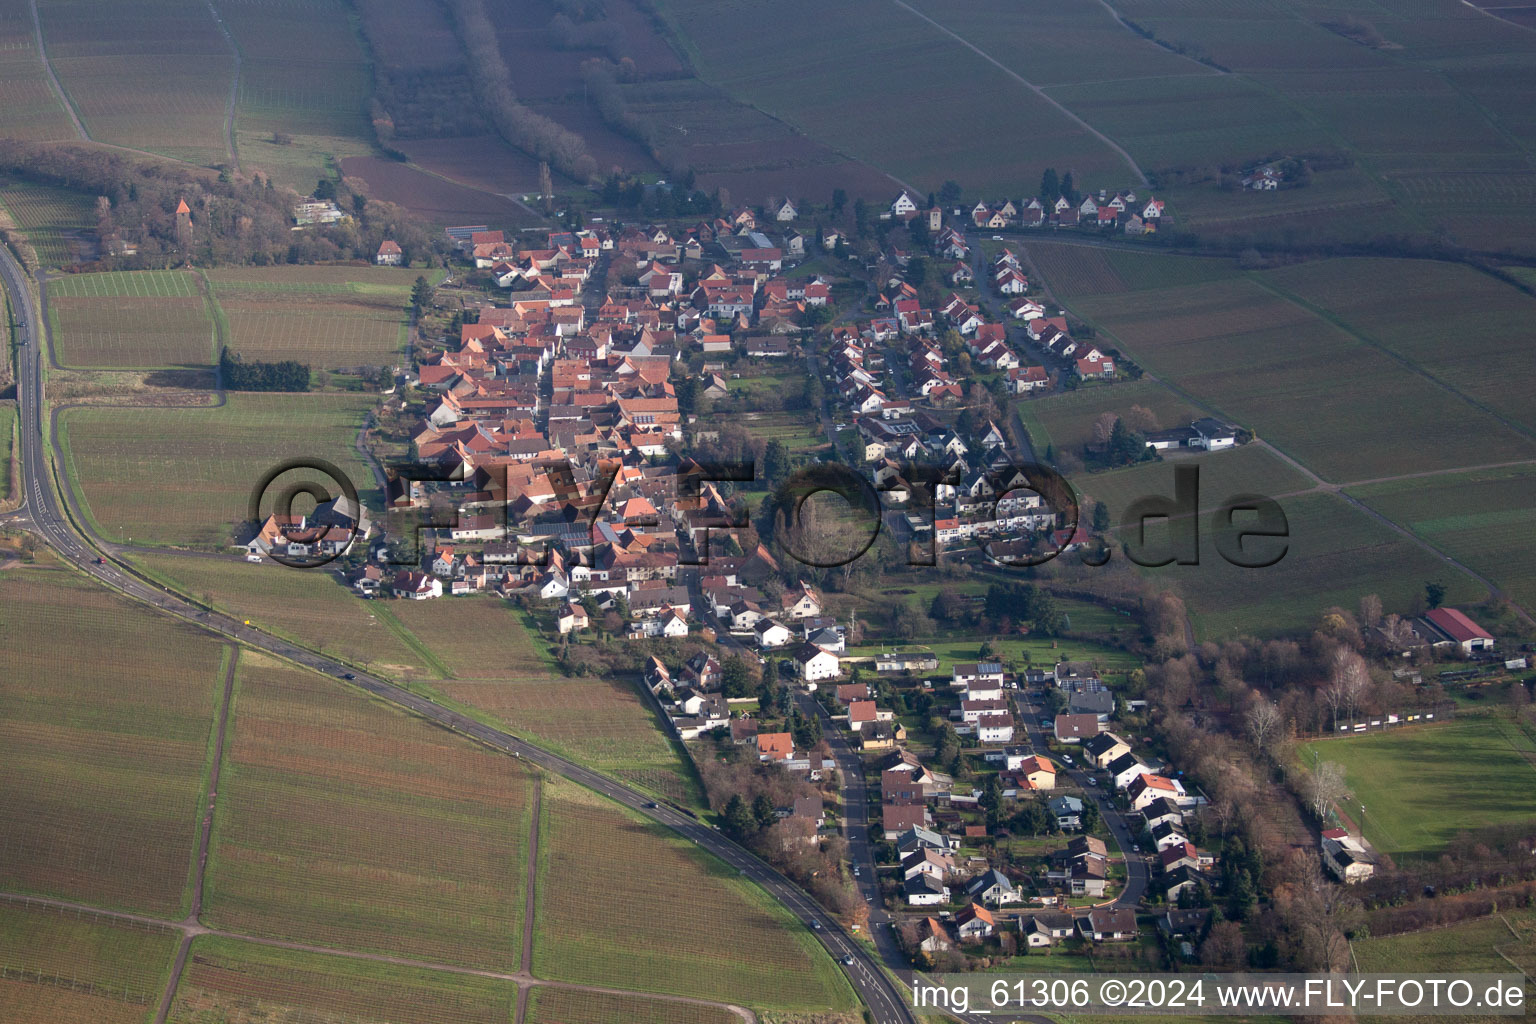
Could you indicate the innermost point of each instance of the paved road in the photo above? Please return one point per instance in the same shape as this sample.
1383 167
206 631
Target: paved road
43 510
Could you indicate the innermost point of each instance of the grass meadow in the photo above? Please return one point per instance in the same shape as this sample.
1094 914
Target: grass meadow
346 823
1468 773
732 944
99 799
238 982
51 218
151 318
1471 947
7 449
183 477
65 966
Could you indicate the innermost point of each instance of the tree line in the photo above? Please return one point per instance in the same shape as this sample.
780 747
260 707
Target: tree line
236 374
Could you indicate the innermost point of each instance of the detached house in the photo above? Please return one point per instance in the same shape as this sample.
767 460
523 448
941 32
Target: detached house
389 254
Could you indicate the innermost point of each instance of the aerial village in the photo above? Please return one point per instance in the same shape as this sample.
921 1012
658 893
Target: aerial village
565 467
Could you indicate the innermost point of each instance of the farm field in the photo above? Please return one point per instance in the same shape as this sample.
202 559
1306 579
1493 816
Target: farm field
905 100
62 966
1246 470
183 477
1341 406
732 945
1065 420
799 431
1336 554
1412 306
1482 518
331 822
434 198
565 1006
499 667
1467 775
1473 946
153 76
310 607
245 983
151 318
1011 649
350 316
54 220
99 799
29 108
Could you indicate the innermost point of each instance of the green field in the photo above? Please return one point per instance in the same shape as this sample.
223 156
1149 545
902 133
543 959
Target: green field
1474 946
53 219
353 825
1467 774
1482 518
310 607
7 448
153 76
1065 420
30 108
63 966
732 944
237 982
152 318
183 477
567 1006
1336 554
99 799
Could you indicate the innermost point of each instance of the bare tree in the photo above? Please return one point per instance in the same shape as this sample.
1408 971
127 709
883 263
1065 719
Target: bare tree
1104 426
1264 720
1142 419
1224 946
1370 610
1322 787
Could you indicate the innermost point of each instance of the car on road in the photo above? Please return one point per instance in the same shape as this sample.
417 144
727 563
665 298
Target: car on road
100 560
815 924
1068 758
348 675
1045 723
847 961
1092 781
650 805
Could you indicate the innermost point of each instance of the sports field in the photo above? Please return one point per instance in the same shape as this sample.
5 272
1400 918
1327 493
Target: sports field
152 76
63 966
151 318
333 317
1474 772
345 823
53 220
237 982
29 108
183 477
565 1006
99 798
1482 518
311 607
732 944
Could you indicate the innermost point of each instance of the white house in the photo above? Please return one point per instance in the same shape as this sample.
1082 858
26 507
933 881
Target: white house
813 664
770 633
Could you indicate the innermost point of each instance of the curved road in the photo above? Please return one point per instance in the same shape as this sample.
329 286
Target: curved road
877 990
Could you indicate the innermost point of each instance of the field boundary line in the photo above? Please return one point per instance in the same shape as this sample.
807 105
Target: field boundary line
530 898
414 642
1119 150
53 79
1330 317
234 85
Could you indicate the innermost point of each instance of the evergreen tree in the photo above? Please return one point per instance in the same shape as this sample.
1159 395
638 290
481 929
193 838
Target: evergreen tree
762 811
739 823
1050 185
421 295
